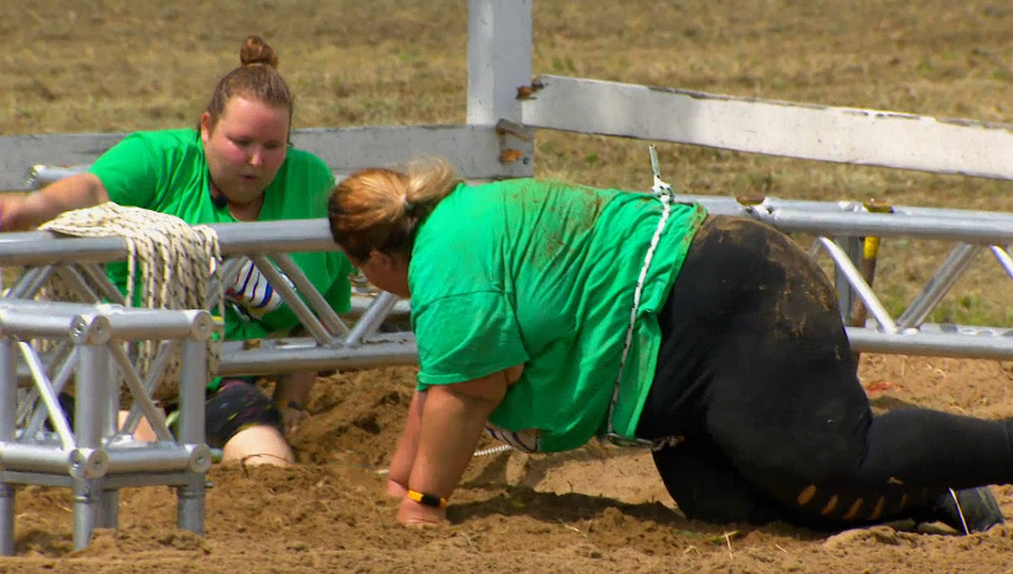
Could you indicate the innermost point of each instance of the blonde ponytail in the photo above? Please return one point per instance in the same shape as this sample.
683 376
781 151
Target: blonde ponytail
380 208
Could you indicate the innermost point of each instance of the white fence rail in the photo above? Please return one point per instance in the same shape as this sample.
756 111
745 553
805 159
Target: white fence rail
479 151
806 131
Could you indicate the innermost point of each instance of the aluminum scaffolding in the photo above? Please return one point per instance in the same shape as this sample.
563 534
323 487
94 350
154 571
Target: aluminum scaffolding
839 227
96 457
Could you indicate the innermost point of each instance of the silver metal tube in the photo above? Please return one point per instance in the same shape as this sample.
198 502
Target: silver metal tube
8 410
38 415
49 398
935 345
56 319
858 284
154 374
193 382
112 406
77 283
152 459
851 252
964 214
938 286
141 399
58 309
18 249
315 299
373 316
45 437
47 457
819 218
730 206
988 232
100 280
29 283
272 359
87 496
57 356
29 457
151 324
362 303
42 247
190 504
7 510
292 299
91 396
275 236
374 327
67 320
1002 255
8 389
35 325
39 478
724 205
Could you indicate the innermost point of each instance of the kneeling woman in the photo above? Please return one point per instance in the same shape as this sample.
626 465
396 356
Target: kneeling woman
549 314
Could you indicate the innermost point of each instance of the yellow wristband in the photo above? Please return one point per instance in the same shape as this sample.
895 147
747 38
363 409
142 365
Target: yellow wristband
430 500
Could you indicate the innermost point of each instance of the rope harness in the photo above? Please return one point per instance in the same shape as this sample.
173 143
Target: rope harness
177 265
666 196
529 440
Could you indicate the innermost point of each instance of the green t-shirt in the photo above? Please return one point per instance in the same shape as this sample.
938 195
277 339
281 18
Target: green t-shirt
543 274
165 171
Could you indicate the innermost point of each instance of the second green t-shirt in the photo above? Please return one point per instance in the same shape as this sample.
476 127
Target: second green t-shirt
543 274
165 171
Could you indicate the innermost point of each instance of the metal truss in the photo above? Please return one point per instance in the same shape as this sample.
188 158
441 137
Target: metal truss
358 341
95 457
840 229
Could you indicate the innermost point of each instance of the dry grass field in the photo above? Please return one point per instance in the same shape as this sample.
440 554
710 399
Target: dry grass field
122 65
119 65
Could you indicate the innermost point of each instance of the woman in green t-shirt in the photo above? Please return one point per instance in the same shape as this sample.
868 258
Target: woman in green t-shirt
549 314
236 166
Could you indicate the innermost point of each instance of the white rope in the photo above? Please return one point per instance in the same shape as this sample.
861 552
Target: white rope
666 201
666 195
177 264
960 511
478 453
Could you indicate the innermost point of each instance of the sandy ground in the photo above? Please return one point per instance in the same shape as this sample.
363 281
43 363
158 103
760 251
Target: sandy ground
593 510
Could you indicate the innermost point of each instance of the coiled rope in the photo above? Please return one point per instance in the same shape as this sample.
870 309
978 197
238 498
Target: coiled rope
177 263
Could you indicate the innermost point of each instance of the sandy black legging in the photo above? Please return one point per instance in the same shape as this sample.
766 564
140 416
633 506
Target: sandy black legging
755 370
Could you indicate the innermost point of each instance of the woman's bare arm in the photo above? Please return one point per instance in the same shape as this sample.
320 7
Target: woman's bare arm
74 192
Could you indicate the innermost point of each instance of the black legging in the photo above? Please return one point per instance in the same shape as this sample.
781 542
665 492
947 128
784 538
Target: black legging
756 372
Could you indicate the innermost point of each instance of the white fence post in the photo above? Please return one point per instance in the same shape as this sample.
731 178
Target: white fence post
499 59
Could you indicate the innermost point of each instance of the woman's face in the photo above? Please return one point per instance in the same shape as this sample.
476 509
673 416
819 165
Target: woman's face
385 272
246 148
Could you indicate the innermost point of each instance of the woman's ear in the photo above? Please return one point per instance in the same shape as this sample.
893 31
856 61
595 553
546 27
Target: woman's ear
205 127
382 259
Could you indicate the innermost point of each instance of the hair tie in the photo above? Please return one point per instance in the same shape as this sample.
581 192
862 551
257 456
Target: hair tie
408 206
